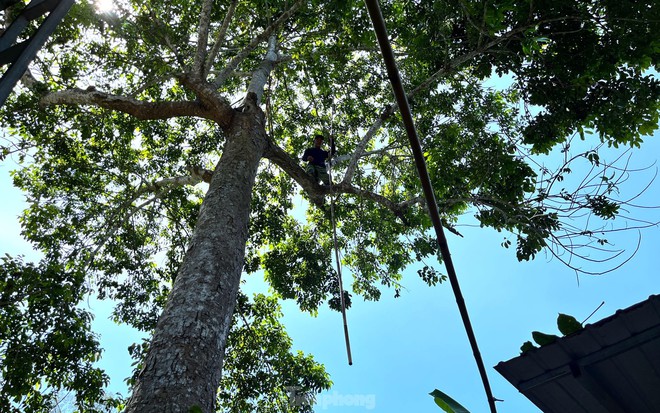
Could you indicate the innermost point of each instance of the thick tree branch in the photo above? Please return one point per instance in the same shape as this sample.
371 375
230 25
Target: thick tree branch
140 109
197 175
260 75
219 107
233 64
292 167
397 208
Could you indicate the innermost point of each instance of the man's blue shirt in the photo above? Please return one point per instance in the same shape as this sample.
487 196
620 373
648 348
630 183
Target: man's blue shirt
318 154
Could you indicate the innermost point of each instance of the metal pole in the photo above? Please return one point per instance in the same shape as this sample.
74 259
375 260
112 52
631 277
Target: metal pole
404 107
17 69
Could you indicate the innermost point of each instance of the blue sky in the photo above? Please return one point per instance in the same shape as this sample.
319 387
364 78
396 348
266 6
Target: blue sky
404 348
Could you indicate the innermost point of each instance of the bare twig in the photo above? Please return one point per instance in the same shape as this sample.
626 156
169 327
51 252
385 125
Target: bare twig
593 312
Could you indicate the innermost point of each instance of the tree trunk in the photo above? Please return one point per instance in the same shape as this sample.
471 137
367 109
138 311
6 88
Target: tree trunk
183 366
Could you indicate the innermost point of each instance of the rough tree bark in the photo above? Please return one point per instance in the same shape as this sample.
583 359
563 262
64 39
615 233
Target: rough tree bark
183 368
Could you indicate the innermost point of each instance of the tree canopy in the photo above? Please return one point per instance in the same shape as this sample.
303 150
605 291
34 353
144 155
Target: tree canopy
160 146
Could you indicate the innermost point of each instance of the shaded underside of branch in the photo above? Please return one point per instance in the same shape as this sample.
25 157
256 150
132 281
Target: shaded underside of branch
142 110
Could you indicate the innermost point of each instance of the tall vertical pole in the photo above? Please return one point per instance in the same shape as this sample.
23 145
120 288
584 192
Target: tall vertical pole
406 115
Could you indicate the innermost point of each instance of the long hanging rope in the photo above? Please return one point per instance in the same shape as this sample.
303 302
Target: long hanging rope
400 94
336 246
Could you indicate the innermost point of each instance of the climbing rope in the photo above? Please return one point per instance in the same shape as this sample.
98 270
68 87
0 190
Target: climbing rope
336 247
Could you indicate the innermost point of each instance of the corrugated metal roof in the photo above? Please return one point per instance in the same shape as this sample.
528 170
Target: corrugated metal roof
609 366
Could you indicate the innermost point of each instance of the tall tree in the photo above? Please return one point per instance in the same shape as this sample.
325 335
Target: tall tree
174 129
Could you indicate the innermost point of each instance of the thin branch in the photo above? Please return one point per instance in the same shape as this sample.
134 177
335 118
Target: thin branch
397 208
161 31
317 193
362 145
263 36
197 175
202 36
452 65
580 270
342 158
593 312
219 39
100 243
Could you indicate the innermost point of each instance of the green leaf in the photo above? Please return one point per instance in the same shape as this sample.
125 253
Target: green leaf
527 346
543 339
446 403
568 324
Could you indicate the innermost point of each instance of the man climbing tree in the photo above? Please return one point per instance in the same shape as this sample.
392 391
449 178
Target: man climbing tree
160 148
317 157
